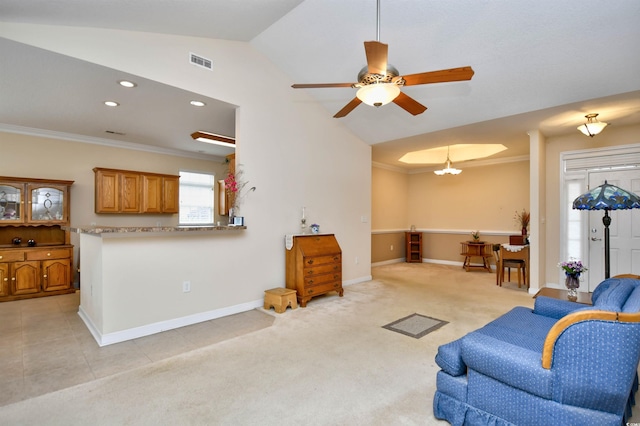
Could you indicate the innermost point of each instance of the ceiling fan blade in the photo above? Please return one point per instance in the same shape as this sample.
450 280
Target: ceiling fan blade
348 108
321 85
376 56
442 76
409 104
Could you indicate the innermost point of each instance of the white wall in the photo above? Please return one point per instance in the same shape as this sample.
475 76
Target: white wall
292 150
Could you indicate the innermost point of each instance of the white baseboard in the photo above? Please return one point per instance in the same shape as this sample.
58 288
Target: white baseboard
149 329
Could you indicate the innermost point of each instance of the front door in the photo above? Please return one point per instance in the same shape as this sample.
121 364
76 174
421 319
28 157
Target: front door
624 231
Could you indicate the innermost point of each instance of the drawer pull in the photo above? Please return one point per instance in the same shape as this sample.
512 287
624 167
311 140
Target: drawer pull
336 257
49 254
310 261
310 291
0 257
13 278
335 268
310 281
6 279
44 276
335 277
310 272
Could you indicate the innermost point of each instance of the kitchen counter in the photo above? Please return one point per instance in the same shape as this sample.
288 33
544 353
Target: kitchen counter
97 229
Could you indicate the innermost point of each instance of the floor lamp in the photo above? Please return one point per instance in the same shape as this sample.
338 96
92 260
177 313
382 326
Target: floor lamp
607 197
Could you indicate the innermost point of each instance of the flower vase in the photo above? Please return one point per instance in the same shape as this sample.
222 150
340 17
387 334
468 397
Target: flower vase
231 215
572 282
524 231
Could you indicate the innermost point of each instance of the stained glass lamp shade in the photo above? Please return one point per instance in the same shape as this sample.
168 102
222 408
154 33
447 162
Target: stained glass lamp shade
607 197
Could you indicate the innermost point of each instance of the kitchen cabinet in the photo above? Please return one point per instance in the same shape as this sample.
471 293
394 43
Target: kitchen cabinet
132 192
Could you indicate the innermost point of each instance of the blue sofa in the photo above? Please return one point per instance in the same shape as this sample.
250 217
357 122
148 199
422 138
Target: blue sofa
561 363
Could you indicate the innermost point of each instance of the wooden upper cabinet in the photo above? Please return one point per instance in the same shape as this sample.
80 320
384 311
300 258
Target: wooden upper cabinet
125 191
107 191
151 194
130 184
170 195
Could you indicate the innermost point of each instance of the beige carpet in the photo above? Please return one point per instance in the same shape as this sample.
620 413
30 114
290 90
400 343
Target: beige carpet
330 363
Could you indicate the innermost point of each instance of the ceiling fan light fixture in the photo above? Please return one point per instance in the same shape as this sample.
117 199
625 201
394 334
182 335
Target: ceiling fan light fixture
449 169
378 94
592 127
213 138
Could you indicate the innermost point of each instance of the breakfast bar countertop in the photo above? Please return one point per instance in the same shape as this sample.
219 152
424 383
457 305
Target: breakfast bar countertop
97 229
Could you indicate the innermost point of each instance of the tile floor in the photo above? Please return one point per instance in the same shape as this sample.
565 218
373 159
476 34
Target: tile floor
45 346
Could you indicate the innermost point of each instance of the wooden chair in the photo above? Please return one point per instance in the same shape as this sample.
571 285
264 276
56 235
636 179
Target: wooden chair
508 263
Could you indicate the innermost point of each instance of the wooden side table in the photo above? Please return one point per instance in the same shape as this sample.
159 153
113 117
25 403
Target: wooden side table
470 249
556 293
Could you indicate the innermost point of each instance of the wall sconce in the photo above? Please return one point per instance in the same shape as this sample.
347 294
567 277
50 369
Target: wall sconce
592 127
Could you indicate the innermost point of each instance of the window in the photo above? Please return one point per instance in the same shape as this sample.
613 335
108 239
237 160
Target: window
196 198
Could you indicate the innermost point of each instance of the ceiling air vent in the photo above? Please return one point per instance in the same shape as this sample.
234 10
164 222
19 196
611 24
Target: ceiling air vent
200 61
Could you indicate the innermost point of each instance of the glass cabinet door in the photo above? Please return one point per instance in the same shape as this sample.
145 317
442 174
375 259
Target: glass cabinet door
47 204
11 201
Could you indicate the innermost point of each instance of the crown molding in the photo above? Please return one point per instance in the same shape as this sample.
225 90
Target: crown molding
51 134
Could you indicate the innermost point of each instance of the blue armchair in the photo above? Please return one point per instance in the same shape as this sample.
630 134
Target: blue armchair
561 363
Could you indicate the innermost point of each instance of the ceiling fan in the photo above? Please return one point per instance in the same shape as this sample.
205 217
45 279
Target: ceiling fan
379 83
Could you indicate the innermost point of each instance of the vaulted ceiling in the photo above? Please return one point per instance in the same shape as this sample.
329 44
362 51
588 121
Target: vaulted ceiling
538 65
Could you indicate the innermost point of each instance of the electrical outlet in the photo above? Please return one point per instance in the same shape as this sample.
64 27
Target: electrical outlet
186 286
357 260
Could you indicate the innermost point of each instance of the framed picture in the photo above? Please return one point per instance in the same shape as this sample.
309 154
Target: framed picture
238 221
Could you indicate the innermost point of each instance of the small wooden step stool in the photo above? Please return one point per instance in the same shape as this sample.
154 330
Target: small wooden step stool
280 298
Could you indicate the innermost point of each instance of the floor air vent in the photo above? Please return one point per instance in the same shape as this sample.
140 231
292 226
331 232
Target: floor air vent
200 61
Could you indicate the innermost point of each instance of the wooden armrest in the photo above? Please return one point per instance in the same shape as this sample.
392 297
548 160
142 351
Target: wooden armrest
576 317
635 277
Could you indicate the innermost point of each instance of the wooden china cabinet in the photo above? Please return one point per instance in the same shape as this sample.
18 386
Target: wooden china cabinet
35 254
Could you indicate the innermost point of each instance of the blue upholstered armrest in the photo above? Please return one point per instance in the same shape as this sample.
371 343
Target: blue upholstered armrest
450 360
518 367
555 308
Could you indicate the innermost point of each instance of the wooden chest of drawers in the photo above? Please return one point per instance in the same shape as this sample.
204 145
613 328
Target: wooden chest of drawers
314 266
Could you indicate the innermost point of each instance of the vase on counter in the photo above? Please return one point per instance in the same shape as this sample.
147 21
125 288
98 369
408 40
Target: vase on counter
572 282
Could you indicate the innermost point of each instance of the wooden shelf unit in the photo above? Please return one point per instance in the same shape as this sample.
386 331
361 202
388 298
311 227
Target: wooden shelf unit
413 247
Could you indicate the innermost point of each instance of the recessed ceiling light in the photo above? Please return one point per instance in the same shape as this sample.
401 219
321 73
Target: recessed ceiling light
111 103
197 103
126 83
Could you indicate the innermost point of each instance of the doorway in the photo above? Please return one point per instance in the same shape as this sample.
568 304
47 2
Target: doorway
583 231
624 231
